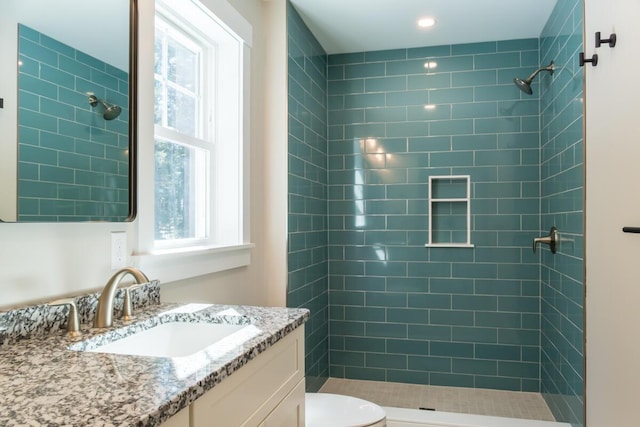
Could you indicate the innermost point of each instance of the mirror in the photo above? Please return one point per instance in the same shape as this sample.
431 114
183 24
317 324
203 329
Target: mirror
66 122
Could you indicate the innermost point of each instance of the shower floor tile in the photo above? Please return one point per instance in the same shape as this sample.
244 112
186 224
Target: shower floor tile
513 404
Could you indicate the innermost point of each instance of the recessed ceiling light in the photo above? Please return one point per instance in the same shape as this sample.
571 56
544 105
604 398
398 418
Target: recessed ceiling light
426 22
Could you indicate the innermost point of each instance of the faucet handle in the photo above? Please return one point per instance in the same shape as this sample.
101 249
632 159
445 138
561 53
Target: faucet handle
73 322
127 307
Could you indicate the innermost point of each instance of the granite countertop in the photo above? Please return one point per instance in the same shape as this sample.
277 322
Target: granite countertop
44 383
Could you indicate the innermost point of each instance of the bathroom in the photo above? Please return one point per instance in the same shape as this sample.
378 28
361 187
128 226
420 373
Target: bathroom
41 261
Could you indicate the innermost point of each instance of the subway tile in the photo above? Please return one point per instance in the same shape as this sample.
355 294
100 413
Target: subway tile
409 316
450 349
390 114
386 361
385 55
474 110
434 112
385 84
406 98
451 380
407 377
451 317
473 48
429 51
353 71
365 344
386 330
362 314
370 374
429 81
450 96
451 127
474 367
498 383
497 352
496 60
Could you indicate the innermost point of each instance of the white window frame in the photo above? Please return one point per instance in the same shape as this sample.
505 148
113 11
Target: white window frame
230 247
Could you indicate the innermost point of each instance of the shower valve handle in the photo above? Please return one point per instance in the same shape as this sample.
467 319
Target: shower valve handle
551 240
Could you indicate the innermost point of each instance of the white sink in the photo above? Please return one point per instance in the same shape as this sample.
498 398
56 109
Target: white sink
172 339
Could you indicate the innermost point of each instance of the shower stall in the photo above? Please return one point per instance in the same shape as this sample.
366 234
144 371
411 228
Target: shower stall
367 132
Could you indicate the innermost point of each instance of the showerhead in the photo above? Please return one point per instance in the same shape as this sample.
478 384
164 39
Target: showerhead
110 111
525 85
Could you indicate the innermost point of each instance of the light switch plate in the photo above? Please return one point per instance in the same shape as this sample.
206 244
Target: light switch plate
118 250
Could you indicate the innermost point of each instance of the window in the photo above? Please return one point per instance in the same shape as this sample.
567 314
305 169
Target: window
195 181
184 137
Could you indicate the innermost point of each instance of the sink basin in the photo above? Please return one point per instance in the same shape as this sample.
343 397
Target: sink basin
171 339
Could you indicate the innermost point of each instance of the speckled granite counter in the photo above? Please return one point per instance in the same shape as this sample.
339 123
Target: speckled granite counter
43 383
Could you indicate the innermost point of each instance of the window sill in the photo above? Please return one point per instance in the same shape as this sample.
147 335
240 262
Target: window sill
177 264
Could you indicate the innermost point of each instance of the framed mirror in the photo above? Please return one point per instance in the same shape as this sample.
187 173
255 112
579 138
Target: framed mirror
67 127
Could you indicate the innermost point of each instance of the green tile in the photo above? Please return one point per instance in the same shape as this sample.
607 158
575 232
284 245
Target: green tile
451 317
370 374
451 380
347 358
474 334
497 352
497 60
386 330
451 127
498 383
498 320
429 81
354 71
475 302
365 344
387 361
429 363
429 332
425 300
385 55
474 367
407 315
519 369
407 377
415 347
57 174
385 84
451 96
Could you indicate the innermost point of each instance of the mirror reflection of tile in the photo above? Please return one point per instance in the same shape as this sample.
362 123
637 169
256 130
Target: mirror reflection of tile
73 164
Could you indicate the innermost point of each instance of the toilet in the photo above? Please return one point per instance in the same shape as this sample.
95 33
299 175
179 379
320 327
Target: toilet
335 410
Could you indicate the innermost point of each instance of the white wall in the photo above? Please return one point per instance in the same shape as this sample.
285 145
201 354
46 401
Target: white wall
43 261
612 202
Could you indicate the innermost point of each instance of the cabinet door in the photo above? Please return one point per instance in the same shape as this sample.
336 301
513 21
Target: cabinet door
249 395
290 412
181 419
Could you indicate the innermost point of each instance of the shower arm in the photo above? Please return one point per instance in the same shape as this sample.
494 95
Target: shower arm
533 75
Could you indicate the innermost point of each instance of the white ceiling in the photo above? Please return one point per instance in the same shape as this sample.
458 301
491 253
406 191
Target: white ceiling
97 28
343 26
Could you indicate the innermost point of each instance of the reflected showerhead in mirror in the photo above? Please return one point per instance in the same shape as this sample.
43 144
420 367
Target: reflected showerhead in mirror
525 85
110 111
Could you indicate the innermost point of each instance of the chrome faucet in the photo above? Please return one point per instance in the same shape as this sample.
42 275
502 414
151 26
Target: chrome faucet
104 311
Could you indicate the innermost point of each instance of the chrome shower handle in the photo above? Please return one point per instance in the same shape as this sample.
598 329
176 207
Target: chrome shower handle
551 240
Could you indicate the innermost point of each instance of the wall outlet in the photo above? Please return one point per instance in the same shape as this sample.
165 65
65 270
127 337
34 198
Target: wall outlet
118 250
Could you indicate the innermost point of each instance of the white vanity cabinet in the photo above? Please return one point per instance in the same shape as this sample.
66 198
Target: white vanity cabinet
268 391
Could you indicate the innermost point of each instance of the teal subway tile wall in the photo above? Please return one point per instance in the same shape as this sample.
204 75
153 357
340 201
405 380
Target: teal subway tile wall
73 164
492 316
442 316
307 179
562 201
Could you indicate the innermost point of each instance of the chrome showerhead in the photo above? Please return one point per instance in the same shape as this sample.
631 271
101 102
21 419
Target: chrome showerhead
110 111
525 85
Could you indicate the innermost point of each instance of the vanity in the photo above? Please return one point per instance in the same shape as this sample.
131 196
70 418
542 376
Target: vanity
252 375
